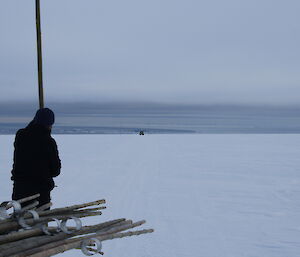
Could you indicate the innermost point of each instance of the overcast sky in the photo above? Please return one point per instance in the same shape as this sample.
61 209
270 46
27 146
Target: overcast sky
188 51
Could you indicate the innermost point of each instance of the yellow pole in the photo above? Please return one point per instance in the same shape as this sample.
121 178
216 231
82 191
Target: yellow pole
39 53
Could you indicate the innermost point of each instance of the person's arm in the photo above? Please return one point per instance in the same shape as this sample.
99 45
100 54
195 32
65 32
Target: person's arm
15 152
55 163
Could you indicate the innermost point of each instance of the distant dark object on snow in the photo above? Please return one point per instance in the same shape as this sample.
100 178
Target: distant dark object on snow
141 133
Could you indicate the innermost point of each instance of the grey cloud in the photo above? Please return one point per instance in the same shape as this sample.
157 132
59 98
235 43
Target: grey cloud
170 51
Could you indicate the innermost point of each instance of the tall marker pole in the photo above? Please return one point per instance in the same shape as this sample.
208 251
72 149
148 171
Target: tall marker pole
39 52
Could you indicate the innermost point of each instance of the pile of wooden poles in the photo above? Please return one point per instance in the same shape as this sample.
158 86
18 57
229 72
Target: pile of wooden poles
40 232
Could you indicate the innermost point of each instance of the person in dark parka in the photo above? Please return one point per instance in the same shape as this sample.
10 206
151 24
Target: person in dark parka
36 159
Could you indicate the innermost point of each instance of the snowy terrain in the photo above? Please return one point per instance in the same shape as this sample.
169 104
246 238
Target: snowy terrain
205 195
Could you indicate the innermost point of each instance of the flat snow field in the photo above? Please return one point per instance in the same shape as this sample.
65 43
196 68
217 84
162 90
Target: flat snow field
205 195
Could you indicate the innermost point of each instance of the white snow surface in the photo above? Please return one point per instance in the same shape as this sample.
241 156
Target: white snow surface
205 195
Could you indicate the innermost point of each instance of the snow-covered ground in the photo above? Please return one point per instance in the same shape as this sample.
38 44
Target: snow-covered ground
205 195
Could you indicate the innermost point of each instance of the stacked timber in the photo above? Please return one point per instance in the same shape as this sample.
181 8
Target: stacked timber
41 232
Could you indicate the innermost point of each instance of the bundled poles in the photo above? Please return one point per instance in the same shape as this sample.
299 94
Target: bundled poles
30 231
39 52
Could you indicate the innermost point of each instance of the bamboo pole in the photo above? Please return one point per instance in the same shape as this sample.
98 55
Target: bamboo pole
23 200
19 235
30 206
88 210
76 240
23 246
31 246
14 225
70 208
27 207
39 52
5 249
44 207
10 225
35 243
74 245
29 198
22 235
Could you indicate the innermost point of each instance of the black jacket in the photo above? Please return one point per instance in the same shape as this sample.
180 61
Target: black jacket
36 159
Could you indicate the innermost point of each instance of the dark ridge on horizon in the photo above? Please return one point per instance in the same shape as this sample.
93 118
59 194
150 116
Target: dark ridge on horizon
29 108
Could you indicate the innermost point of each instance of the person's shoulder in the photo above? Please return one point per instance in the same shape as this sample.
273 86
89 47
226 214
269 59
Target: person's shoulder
20 132
25 130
